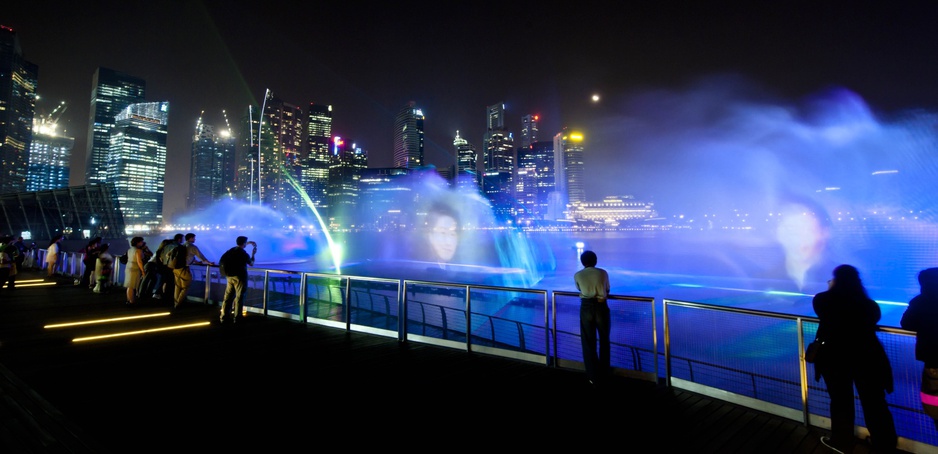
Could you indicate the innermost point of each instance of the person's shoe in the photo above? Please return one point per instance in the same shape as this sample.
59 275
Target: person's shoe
826 441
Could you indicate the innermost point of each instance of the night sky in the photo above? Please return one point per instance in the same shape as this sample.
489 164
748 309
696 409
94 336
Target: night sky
678 62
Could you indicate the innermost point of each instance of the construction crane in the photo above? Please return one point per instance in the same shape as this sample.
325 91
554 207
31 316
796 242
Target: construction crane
49 123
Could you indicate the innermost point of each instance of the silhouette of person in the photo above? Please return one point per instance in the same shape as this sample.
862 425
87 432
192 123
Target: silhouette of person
853 356
922 317
443 235
595 324
90 259
236 262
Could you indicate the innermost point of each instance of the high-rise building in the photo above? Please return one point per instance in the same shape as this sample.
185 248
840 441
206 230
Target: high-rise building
18 84
529 130
541 156
467 173
211 170
315 174
246 164
136 164
499 163
534 180
111 93
348 163
569 170
49 156
408 137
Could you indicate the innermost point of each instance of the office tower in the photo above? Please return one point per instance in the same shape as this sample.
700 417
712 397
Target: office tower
281 140
245 184
18 83
212 166
315 177
467 174
499 163
348 163
49 156
408 137
528 130
111 93
569 168
136 164
534 179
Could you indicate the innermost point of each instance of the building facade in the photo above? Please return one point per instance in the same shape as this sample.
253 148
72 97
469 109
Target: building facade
49 158
136 164
212 166
18 84
111 92
409 137
315 173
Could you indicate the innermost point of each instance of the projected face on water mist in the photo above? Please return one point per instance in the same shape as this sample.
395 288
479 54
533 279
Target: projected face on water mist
443 236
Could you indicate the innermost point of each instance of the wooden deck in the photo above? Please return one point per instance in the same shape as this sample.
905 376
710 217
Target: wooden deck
280 385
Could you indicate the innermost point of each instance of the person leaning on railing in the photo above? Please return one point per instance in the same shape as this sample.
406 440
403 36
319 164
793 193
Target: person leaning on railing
852 355
922 317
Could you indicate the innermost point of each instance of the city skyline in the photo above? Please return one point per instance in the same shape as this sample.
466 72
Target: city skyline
199 58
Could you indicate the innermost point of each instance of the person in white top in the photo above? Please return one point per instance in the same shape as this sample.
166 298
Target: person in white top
52 255
595 324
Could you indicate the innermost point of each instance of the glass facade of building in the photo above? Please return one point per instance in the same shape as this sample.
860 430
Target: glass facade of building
137 164
111 92
18 81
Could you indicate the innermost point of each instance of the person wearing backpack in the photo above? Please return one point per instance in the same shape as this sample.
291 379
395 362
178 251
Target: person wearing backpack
180 258
234 264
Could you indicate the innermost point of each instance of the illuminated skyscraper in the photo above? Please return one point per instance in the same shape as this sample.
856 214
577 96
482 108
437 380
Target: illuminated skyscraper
348 163
281 142
467 175
535 179
18 80
528 130
49 156
499 162
136 164
245 184
111 93
212 167
408 137
315 175
569 167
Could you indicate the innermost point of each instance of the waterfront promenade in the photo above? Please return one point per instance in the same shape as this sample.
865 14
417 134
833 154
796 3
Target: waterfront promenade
280 385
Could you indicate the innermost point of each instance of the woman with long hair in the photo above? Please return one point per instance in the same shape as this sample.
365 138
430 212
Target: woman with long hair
852 355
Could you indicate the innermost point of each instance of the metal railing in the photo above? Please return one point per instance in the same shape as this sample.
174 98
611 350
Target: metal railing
749 357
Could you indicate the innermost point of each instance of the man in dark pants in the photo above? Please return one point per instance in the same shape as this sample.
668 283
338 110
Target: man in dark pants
234 265
593 284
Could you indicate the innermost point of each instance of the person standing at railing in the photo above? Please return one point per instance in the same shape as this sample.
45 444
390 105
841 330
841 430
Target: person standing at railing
169 279
853 355
922 317
90 260
595 324
133 270
103 268
234 264
52 254
183 275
